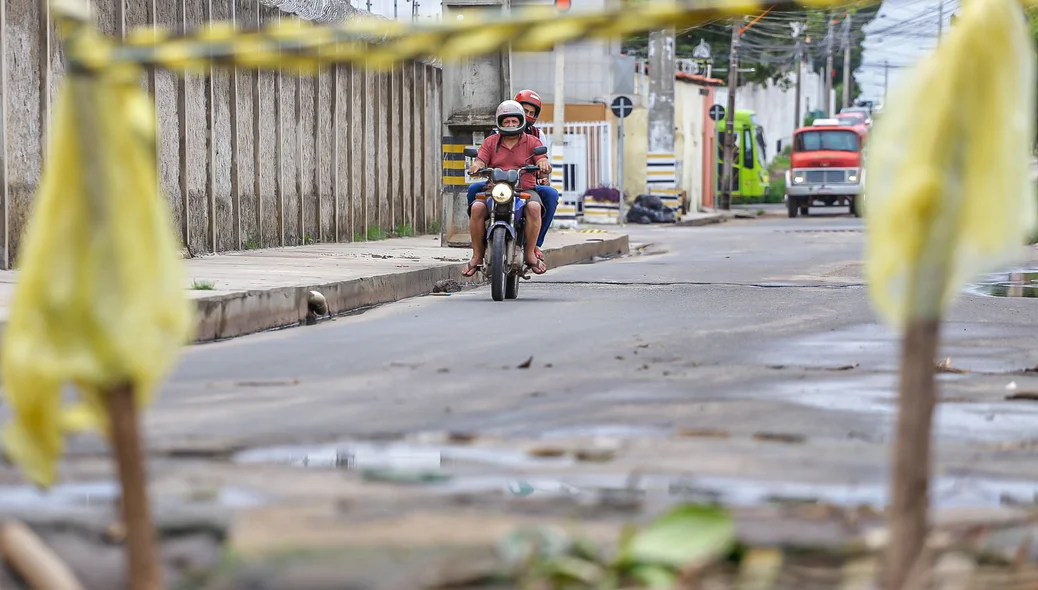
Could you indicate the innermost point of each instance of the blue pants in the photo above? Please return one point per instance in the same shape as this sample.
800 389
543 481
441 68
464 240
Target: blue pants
549 195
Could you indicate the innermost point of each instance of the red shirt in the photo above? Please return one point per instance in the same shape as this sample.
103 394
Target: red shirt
496 155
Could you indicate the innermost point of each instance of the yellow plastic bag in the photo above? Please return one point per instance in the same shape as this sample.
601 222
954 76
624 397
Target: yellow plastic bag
948 189
100 298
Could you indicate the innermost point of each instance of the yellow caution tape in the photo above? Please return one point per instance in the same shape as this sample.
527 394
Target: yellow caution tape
948 192
101 299
380 44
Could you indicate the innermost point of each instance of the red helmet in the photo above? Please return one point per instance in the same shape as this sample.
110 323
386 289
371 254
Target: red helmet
533 99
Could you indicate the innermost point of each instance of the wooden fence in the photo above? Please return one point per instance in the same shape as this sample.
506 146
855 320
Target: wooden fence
246 160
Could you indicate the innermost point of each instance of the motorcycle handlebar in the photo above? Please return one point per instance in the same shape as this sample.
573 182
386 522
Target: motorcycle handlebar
527 169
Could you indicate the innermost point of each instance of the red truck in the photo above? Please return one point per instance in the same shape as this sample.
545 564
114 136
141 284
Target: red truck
827 166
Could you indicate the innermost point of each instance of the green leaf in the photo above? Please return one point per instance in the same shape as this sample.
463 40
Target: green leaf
654 576
685 536
574 568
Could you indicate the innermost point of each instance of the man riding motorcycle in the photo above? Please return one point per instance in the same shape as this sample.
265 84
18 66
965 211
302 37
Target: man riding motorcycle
531 104
509 149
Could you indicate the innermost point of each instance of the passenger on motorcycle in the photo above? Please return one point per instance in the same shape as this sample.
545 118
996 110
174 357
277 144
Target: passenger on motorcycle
531 103
508 149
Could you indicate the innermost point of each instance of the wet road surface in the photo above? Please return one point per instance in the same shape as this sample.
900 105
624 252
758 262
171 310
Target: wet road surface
742 358
745 350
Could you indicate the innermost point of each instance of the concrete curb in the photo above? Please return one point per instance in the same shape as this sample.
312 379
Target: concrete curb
248 312
700 221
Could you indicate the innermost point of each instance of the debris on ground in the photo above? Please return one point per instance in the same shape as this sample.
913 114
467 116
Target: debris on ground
1031 396
447 286
782 437
945 367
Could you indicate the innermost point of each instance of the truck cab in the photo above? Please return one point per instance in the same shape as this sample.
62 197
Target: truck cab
827 167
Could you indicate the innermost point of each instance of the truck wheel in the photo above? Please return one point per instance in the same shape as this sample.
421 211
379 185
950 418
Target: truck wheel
791 206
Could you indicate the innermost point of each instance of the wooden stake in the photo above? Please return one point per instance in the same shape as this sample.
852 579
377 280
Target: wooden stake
142 555
26 553
144 570
909 496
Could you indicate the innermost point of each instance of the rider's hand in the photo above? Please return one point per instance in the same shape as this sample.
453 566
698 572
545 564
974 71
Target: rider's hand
543 181
474 168
544 165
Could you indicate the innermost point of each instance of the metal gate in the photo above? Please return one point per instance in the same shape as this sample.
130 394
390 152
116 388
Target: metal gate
589 164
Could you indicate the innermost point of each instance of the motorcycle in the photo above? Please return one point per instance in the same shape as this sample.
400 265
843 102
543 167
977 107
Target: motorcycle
504 263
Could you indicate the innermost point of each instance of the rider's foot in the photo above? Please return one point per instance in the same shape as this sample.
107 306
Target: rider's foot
536 264
537 251
471 267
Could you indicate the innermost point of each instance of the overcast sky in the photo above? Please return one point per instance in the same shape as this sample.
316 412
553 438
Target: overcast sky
904 31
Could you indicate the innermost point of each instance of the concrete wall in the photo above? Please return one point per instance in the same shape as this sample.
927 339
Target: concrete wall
775 106
689 142
339 156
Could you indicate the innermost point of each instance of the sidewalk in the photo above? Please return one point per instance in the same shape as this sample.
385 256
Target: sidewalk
240 293
711 216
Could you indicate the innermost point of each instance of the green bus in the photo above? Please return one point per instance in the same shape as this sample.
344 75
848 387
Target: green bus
750 169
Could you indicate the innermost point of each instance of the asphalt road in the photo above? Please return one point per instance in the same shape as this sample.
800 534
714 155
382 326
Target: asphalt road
744 355
745 351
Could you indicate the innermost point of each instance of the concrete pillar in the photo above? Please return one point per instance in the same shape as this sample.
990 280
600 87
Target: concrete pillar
660 161
472 89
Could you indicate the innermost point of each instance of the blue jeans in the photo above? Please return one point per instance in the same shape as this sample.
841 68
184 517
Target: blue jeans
549 195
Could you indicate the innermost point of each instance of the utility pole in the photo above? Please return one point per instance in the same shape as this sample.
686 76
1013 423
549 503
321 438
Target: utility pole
729 120
798 116
847 62
660 169
886 78
940 20
829 68
558 119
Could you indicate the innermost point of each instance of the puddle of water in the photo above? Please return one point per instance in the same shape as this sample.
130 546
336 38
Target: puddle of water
876 395
946 492
402 456
605 431
1017 283
100 493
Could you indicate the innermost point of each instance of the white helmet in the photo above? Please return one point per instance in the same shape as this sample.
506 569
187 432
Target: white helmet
510 108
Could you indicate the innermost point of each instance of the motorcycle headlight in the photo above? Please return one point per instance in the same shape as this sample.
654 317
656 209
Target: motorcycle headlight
502 193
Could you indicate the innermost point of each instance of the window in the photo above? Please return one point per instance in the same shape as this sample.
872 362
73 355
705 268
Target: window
762 150
747 143
830 140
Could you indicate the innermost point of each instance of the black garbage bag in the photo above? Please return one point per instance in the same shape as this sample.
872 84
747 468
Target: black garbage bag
639 214
651 202
667 215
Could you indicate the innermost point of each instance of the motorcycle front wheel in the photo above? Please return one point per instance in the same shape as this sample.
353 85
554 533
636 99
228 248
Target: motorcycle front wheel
498 277
512 286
